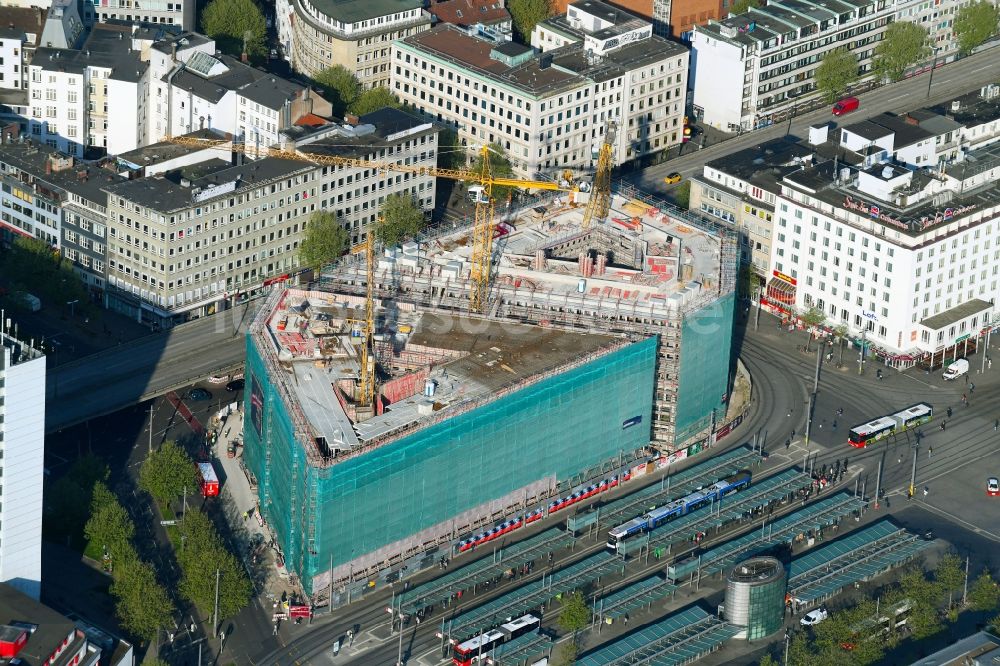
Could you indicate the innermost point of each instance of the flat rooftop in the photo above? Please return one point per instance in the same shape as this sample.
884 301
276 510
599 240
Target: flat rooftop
313 335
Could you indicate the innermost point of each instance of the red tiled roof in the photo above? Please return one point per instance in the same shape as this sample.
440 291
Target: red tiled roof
310 120
470 12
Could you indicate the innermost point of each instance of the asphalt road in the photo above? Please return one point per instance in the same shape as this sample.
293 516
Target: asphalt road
950 80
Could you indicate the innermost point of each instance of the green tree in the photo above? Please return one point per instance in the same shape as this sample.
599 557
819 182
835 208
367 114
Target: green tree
813 317
575 613
68 502
402 219
325 240
202 554
837 72
565 654
451 152
110 526
142 604
841 332
525 14
984 595
682 195
32 265
373 100
743 6
903 45
340 86
950 575
800 652
924 620
230 22
499 168
767 660
166 472
975 23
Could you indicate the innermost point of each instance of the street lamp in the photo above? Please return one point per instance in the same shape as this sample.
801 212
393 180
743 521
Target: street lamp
72 309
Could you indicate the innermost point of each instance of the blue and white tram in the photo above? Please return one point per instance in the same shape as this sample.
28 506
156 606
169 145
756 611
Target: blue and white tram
679 507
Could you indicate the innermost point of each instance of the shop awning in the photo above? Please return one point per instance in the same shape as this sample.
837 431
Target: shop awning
781 291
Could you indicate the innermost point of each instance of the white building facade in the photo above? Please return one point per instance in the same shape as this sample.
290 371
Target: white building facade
752 68
548 111
900 255
22 439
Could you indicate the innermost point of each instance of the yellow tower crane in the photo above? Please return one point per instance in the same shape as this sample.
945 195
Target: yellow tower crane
483 230
366 376
599 204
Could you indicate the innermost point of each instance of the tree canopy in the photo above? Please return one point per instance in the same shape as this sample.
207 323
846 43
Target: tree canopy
837 72
525 14
984 595
228 22
167 471
110 526
903 45
975 23
33 266
499 167
340 86
143 605
451 153
373 100
575 613
325 240
743 6
402 219
201 555
682 195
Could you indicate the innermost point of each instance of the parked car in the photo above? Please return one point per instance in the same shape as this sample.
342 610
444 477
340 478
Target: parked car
235 385
846 105
673 178
814 617
992 486
199 394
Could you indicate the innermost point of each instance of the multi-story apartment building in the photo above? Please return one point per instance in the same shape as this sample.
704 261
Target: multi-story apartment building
196 89
749 67
91 100
180 13
190 240
909 255
938 18
317 34
20 31
22 436
549 110
54 198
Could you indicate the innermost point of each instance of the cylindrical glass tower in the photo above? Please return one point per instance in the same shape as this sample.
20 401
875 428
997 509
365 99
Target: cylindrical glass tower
755 597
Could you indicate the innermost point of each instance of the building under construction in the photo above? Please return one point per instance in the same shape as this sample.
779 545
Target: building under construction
595 342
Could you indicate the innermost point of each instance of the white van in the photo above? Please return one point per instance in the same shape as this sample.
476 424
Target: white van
956 369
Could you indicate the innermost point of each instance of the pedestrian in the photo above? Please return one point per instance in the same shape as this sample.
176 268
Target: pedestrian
834 425
926 490
964 398
900 460
972 388
625 619
930 452
989 363
996 425
245 516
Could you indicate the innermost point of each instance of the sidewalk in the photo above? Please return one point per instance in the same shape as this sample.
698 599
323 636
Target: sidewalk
236 489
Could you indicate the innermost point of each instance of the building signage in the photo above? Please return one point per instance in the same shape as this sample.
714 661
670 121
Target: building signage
602 47
944 216
787 278
628 423
875 212
868 314
215 191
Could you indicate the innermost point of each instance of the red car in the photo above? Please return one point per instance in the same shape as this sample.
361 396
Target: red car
846 105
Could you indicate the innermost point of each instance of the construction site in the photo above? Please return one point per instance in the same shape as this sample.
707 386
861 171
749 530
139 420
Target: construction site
387 419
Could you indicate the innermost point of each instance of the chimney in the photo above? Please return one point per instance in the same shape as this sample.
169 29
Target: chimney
351 119
48 166
173 51
910 120
244 58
